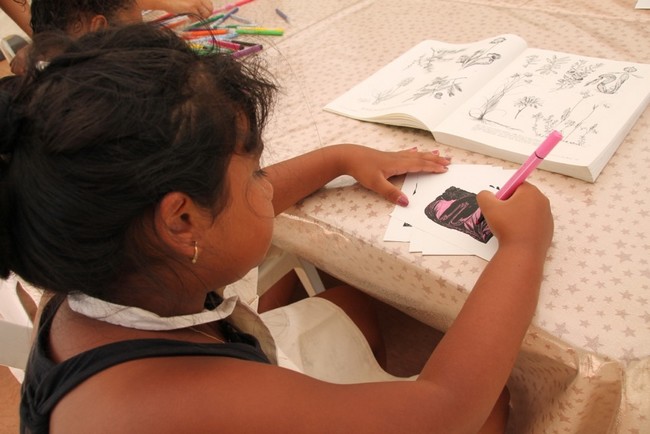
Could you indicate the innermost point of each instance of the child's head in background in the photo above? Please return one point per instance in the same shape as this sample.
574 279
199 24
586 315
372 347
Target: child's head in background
77 17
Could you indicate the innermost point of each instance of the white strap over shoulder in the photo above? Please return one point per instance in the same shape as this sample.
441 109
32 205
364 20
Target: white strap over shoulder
136 318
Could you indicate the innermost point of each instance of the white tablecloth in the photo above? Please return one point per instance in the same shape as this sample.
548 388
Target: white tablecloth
585 363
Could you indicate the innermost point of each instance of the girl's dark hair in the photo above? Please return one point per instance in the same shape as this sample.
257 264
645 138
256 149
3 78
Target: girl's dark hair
92 143
50 15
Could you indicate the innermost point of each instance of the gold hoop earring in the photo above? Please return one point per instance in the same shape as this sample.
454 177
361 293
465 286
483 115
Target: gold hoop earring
196 253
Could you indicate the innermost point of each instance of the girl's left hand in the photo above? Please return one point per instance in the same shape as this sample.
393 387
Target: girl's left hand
372 168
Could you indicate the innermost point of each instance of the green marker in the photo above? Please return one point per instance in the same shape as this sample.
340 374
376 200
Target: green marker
275 31
206 21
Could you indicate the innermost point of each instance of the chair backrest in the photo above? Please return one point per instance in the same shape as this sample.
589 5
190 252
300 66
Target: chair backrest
279 262
15 328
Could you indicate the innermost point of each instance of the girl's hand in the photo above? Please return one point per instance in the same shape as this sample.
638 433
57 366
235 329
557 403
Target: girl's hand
372 168
202 8
19 63
524 219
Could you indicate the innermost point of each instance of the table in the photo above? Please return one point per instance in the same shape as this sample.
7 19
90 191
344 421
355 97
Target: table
584 366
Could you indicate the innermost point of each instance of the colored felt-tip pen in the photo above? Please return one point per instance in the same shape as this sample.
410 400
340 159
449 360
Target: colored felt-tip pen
273 31
282 15
175 22
205 22
529 165
193 34
225 17
246 51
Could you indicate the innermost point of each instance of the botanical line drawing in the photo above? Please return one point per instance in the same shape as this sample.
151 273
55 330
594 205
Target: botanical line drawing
530 61
438 88
427 61
572 123
584 131
576 73
611 82
552 64
526 102
392 92
483 56
492 102
478 58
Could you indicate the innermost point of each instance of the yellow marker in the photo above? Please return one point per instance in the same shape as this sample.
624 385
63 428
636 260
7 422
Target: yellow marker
274 31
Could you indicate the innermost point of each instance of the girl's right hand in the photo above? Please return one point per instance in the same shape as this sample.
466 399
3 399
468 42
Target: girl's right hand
525 218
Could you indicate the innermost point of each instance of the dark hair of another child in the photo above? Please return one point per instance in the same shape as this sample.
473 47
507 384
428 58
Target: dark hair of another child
95 140
48 15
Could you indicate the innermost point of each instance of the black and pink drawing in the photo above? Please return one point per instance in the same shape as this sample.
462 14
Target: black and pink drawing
458 209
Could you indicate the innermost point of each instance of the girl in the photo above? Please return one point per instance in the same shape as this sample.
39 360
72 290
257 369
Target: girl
131 187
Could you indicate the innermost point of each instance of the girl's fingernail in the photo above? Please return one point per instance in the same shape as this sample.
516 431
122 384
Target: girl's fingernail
435 152
413 149
402 200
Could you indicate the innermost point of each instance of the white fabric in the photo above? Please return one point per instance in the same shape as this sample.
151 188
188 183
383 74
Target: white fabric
315 337
239 306
245 288
136 318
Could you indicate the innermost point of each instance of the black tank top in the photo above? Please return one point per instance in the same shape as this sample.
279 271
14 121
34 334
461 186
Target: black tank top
47 382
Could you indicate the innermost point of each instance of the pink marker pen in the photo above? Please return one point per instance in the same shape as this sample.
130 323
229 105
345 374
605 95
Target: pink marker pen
529 165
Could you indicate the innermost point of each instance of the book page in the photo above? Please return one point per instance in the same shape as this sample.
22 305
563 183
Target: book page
592 102
427 82
643 4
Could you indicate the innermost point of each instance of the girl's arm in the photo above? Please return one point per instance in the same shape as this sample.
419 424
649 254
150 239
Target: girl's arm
454 393
478 352
460 383
18 11
470 367
298 177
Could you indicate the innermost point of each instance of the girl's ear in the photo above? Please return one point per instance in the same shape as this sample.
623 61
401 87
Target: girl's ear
98 22
87 24
177 221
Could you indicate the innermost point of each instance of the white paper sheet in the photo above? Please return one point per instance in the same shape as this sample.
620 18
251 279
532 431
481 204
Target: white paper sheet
443 214
643 4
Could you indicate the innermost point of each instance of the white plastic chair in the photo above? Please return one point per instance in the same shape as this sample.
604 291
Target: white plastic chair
15 328
279 262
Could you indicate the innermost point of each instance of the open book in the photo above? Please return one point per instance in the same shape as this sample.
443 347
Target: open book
500 98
